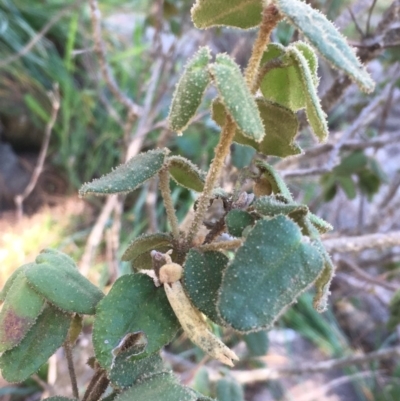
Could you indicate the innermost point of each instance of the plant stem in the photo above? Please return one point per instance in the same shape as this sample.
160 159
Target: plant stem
221 151
97 386
169 207
71 369
270 18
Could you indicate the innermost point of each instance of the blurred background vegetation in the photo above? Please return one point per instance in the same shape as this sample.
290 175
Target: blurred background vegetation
48 44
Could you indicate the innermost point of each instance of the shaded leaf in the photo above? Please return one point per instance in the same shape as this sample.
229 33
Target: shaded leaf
237 221
48 334
186 174
269 271
145 244
242 155
202 275
190 90
145 261
52 256
133 305
21 308
236 97
326 38
162 386
348 186
63 285
229 389
257 343
60 398
129 176
243 14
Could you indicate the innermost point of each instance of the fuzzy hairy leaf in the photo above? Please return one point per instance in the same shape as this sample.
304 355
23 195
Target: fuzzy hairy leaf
145 244
294 85
133 305
161 386
280 124
126 372
42 340
323 35
190 90
201 280
52 256
320 224
272 206
63 286
145 261
60 398
229 389
11 279
269 271
186 174
242 14
237 221
257 343
277 184
20 311
236 97
129 176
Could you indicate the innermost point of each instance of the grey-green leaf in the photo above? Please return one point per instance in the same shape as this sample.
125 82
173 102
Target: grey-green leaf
162 386
20 311
60 398
272 206
145 244
11 279
236 97
229 389
129 176
186 174
62 285
257 343
133 305
201 280
323 35
237 221
53 256
48 334
272 268
242 14
190 90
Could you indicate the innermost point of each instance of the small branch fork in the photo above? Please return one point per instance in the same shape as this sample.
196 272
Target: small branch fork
19 199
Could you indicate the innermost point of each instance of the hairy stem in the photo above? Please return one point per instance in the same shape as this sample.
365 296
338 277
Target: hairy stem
221 151
71 369
97 386
166 194
270 18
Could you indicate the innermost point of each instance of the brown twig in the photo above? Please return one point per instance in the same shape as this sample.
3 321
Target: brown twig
55 104
71 369
97 386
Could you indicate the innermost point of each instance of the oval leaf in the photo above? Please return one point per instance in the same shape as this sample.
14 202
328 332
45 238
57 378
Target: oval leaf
272 268
236 97
145 244
242 14
257 343
133 305
237 221
186 174
63 285
326 38
201 280
129 176
190 90
229 390
48 334
11 279
21 308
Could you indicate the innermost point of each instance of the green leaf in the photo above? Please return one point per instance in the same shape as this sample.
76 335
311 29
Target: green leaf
133 305
190 90
368 182
237 221
236 97
272 206
62 285
145 244
202 275
242 14
277 184
280 123
294 85
320 224
242 155
145 261
348 186
352 163
48 334
229 389
162 386
257 343
126 372
11 279
272 268
20 311
394 309
129 176
186 174
53 256
326 39
60 398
